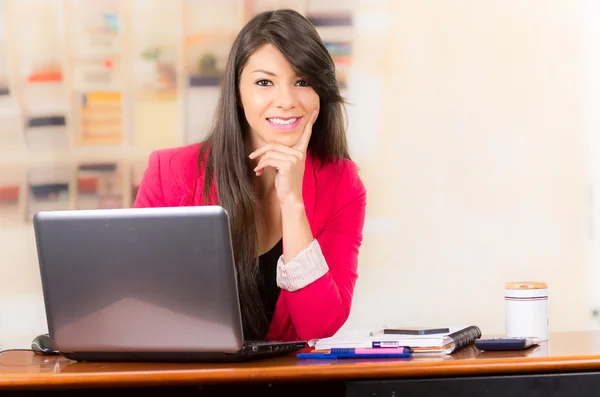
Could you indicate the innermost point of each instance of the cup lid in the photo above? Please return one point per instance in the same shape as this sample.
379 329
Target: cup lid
526 285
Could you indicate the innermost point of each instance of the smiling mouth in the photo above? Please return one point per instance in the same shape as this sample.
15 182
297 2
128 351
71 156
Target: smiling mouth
283 121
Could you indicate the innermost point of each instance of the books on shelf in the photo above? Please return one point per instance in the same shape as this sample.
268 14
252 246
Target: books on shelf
48 186
47 132
93 28
101 120
53 74
209 31
4 86
97 75
109 80
12 180
99 185
457 338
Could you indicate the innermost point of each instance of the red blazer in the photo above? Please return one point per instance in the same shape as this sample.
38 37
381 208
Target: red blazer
335 202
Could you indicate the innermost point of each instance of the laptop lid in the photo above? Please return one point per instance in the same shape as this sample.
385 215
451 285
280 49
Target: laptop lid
139 280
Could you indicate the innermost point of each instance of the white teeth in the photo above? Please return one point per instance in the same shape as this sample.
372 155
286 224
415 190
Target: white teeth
284 122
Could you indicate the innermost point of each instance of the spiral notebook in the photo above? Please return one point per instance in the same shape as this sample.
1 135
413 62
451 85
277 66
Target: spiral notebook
446 343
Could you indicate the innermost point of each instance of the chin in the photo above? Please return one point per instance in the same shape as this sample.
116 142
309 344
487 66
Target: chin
285 139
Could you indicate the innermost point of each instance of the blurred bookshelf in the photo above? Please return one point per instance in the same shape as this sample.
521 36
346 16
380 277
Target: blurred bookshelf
88 88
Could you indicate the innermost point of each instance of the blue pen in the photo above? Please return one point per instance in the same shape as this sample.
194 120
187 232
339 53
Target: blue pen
330 356
379 350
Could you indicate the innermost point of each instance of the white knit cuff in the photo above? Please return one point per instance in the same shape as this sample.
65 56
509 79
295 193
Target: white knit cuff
306 267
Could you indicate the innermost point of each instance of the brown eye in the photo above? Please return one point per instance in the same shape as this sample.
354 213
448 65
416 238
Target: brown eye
263 83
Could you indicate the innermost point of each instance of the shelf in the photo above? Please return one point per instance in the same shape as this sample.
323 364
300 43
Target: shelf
332 19
99 185
205 81
99 118
46 121
90 89
12 183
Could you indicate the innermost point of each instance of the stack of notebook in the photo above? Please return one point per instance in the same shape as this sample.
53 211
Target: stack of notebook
442 343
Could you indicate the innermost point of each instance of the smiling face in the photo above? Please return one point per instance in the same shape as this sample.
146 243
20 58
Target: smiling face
277 103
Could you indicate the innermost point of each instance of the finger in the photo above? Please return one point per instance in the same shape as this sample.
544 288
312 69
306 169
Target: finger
280 156
273 161
274 147
280 165
302 144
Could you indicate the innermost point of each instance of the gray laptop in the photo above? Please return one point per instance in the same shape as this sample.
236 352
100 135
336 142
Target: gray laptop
151 284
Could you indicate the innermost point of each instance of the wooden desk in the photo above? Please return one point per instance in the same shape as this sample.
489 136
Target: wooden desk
569 363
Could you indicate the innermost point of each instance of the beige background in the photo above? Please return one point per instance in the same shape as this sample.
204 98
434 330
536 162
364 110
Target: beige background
469 121
477 172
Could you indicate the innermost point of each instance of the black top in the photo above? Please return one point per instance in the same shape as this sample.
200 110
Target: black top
269 290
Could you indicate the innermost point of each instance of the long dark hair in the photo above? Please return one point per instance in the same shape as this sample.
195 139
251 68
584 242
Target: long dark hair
224 155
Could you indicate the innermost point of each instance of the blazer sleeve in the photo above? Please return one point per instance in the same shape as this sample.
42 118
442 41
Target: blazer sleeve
319 309
150 192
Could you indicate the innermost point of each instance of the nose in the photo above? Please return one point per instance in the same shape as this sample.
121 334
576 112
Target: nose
285 98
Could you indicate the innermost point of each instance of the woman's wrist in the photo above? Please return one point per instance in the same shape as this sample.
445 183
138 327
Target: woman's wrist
292 205
297 234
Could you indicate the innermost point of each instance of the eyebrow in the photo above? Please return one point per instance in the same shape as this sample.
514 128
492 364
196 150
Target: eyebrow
265 72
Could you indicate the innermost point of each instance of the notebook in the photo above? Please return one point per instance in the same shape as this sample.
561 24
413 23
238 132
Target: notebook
446 343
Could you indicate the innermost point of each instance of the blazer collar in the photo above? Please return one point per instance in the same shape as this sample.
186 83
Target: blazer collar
309 184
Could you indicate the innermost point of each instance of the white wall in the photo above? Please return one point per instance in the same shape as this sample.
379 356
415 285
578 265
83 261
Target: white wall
591 43
479 173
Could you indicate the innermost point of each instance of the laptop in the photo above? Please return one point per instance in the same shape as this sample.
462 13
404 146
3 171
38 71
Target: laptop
144 284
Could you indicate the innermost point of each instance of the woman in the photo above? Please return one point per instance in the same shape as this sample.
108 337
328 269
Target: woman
277 160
